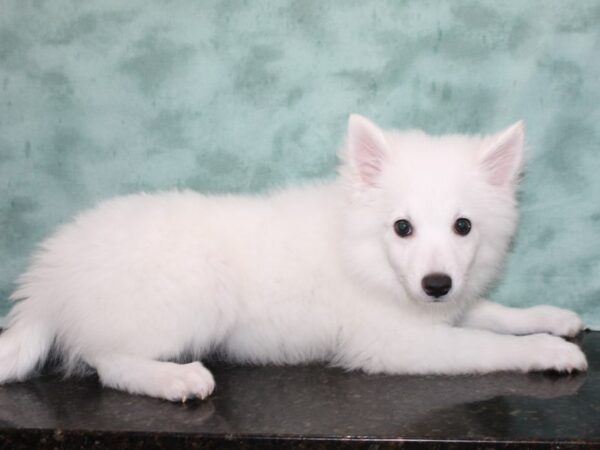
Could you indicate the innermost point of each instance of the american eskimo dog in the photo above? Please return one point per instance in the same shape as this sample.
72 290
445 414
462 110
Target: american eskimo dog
381 269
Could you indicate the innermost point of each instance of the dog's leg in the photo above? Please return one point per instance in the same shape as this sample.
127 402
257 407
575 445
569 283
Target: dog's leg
384 342
167 380
537 319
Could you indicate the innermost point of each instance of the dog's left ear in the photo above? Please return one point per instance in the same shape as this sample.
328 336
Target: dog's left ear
503 158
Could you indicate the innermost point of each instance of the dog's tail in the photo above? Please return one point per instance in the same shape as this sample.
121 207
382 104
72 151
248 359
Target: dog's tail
24 344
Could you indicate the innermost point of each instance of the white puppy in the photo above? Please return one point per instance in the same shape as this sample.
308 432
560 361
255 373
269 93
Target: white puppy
381 269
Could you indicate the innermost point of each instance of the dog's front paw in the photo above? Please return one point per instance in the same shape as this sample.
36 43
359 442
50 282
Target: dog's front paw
557 321
187 381
545 352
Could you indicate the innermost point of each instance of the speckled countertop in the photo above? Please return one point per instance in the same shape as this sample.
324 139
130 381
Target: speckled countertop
315 407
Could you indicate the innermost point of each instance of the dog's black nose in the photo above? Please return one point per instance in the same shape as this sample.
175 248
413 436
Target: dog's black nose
436 284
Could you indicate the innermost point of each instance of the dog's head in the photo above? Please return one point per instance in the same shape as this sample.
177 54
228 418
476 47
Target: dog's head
431 216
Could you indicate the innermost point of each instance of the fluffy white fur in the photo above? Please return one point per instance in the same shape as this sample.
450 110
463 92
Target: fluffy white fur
315 273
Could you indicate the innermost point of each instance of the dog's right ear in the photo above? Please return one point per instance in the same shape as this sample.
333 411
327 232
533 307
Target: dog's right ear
367 148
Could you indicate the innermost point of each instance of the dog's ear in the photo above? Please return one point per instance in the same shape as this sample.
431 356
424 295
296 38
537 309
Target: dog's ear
503 157
367 148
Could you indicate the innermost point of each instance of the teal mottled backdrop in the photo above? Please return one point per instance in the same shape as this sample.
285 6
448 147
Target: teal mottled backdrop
105 98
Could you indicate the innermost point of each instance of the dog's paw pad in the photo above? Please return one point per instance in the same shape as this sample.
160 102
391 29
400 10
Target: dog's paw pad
188 381
556 354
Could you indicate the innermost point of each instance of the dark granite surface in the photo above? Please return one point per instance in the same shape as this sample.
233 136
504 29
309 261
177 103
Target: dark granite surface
315 407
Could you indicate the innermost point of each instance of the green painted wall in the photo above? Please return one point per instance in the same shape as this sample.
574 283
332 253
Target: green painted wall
100 98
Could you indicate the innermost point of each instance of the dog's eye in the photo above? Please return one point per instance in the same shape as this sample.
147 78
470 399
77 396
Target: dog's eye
462 226
403 228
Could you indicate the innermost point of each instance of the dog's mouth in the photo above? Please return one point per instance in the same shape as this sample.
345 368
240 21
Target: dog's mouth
433 300
422 297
